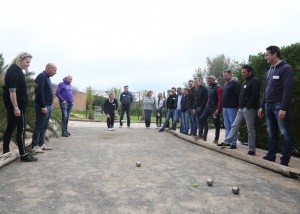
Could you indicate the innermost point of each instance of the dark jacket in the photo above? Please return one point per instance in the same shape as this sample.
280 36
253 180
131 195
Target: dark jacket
201 94
185 103
15 79
171 102
191 94
214 101
126 98
278 85
230 94
249 94
43 91
110 107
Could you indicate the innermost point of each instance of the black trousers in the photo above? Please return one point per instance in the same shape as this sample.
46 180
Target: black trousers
12 123
110 121
158 118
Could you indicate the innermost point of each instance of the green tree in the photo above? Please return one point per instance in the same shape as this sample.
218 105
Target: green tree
215 67
90 99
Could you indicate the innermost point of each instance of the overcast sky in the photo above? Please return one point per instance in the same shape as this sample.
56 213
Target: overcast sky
147 44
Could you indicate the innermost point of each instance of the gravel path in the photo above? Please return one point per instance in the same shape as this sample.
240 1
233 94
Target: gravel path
94 171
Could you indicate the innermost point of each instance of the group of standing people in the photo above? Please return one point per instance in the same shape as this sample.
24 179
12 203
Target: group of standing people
238 104
16 99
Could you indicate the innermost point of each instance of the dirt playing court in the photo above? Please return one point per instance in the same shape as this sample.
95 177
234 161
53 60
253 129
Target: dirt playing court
94 171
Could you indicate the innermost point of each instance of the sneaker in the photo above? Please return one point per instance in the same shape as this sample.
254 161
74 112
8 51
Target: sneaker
233 147
64 134
251 153
109 129
45 147
120 126
128 127
37 149
112 128
28 158
68 133
223 144
160 130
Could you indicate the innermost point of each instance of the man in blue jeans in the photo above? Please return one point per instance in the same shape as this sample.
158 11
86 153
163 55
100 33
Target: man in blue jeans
64 93
126 99
230 102
171 105
275 101
43 107
177 112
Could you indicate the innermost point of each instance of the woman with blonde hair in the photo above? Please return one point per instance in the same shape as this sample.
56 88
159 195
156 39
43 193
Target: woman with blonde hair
159 104
15 101
149 103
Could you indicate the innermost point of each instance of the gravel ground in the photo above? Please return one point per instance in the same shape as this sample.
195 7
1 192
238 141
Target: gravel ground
94 171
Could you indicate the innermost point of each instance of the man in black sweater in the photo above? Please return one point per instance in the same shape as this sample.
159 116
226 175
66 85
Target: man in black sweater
43 107
171 105
248 103
230 102
110 107
276 99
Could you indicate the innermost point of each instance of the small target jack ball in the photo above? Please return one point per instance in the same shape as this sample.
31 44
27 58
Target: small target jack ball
138 164
235 190
210 182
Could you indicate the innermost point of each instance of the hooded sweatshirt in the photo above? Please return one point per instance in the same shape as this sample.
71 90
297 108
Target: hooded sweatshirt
278 85
64 91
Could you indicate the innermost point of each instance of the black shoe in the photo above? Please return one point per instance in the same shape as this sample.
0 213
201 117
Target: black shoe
251 153
161 130
284 163
204 138
224 144
233 147
268 158
68 133
64 134
28 158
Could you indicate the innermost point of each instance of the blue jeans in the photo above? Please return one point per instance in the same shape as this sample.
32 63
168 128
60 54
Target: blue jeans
125 108
185 120
65 113
176 118
229 115
170 113
273 124
147 114
203 120
41 125
193 120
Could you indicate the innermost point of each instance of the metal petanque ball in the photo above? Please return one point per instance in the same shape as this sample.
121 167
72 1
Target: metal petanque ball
210 182
235 190
138 164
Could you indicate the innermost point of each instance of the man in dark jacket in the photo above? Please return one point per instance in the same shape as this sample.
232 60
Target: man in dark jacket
230 102
171 105
126 99
110 107
43 107
276 99
186 103
199 104
212 108
248 103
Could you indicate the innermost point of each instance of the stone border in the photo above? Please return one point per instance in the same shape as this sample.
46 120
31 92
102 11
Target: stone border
287 171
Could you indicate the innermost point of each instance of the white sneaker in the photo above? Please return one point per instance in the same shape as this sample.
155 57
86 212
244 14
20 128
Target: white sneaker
112 129
109 129
37 149
45 147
